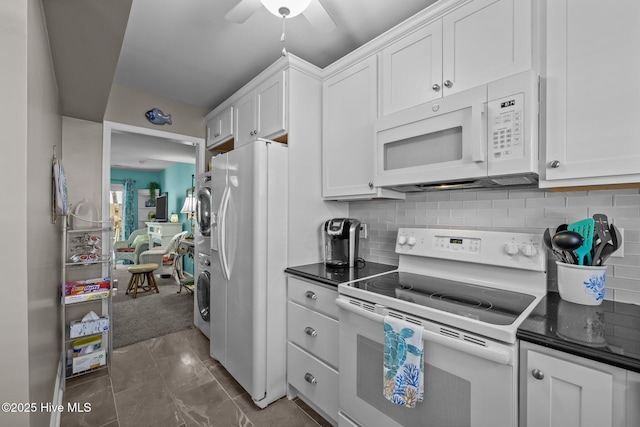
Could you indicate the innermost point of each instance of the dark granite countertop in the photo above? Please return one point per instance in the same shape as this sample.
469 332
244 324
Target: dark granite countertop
334 276
608 333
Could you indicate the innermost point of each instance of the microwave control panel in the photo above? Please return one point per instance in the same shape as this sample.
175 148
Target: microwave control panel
506 128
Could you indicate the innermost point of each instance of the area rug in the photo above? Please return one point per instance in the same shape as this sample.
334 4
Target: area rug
150 314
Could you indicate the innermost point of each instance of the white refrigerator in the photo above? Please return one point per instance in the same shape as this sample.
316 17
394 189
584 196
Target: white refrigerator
248 258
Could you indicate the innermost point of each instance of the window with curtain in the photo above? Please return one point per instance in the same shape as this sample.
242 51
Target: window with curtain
128 208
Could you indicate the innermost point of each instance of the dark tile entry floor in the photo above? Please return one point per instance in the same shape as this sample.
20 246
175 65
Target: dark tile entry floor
171 381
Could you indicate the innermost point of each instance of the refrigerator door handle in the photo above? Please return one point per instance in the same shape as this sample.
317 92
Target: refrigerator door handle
222 234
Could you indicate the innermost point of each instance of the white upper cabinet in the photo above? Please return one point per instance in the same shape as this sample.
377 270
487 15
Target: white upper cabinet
349 109
479 42
220 127
412 69
484 41
592 93
261 112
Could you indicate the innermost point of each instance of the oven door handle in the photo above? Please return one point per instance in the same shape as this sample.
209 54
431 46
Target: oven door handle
495 355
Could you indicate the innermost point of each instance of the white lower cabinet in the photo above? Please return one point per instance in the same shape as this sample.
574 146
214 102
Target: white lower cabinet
312 346
560 389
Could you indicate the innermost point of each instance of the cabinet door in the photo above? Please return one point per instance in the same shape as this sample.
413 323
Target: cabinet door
213 131
220 127
245 112
270 98
593 93
562 393
349 109
225 127
485 40
412 69
633 397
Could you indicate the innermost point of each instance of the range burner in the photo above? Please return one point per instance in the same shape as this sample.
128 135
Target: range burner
466 300
481 303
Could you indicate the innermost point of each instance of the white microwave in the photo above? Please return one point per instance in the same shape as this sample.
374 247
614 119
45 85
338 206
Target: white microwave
482 137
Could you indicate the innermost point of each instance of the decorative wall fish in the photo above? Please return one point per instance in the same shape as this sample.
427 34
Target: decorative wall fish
157 117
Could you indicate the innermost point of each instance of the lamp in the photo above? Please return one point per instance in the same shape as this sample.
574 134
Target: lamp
189 206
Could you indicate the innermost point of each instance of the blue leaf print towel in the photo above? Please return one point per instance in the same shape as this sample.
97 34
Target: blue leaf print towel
403 362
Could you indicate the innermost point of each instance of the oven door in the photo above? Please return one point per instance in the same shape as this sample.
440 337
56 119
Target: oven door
465 383
435 142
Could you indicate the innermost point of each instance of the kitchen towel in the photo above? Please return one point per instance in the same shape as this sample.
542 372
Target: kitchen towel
403 379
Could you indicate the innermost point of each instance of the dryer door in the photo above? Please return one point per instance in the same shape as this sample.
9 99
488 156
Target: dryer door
202 289
203 211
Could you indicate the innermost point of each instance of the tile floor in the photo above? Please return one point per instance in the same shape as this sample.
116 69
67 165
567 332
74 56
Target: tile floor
171 381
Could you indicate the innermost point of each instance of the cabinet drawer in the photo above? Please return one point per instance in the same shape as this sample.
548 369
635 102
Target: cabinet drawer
313 296
303 369
314 332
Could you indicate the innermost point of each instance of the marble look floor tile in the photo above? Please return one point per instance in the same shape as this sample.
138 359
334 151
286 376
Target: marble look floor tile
224 378
209 405
199 343
167 345
148 405
281 413
132 366
183 371
99 395
72 382
111 424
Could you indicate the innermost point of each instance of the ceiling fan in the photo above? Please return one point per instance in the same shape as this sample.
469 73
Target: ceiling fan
311 9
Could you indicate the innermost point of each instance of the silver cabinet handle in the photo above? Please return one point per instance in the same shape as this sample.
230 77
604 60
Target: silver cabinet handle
310 378
310 331
370 185
537 374
436 87
311 295
448 83
554 164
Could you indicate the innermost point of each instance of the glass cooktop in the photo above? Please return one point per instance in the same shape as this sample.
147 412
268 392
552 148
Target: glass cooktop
496 306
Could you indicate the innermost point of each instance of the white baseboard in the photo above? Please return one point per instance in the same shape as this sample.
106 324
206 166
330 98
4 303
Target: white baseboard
58 394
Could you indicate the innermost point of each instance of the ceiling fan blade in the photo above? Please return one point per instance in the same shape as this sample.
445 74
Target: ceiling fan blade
242 11
317 15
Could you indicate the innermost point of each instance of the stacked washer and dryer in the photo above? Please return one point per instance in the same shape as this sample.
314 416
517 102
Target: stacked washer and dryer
203 249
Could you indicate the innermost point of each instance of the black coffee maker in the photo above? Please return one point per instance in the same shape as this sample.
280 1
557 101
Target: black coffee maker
340 241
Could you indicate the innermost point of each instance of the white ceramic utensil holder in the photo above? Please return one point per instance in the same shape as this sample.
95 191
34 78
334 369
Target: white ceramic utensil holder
581 284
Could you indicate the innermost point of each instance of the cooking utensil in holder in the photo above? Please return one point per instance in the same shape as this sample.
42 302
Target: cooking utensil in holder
581 284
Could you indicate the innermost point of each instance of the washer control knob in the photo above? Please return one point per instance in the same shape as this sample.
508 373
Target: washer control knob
511 248
402 240
411 241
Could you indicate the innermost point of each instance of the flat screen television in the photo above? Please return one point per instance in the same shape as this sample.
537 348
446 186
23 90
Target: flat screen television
162 208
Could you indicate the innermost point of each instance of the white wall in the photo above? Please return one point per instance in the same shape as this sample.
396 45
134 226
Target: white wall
129 105
83 160
509 210
29 308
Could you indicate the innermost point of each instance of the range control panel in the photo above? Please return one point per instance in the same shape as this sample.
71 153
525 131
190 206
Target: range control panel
457 244
518 250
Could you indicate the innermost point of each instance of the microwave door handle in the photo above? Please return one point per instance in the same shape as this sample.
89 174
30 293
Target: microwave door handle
478 151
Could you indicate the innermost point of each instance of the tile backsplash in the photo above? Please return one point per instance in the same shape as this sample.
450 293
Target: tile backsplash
529 211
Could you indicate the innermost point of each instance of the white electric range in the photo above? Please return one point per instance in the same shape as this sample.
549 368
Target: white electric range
469 290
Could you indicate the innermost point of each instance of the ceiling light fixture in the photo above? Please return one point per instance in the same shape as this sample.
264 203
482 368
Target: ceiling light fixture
285 9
